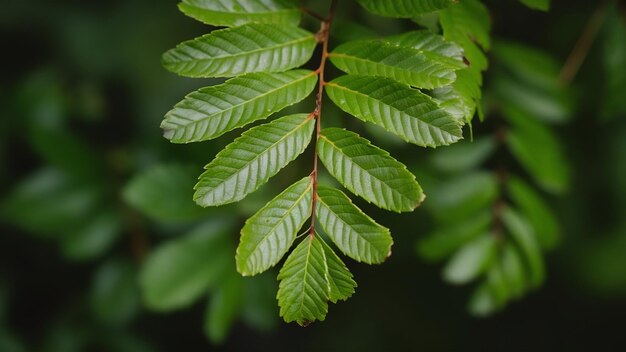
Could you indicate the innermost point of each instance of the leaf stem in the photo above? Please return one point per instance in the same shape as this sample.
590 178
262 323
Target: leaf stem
323 35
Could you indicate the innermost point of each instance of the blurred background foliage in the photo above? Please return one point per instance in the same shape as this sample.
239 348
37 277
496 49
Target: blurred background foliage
102 248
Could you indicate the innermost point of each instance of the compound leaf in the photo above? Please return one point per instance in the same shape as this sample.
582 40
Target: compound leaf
304 289
249 162
212 111
403 8
416 67
235 13
368 171
355 234
268 234
406 112
254 47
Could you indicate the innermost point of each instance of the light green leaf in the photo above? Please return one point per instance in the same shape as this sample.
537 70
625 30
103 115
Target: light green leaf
355 234
223 309
513 270
235 13
535 209
449 238
403 8
538 150
179 272
465 23
425 40
523 235
482 302
163 193
464 156
304 289
462 98
543 5
340 279
114 293
368 171
248 163
462 196
268 234
416 67
212 111
406 112
254 47
471 261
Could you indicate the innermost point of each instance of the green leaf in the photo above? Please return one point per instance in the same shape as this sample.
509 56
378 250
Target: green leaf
539 214
181 271
212 111
304 289
254 47
427 41
463 196
355 234
538 150
465 23
449 238
259 308
513 270
115 293
403 8
248 163
462 98
235 13
368 171
523 235
471 261
416 67
268 234
543 5
163 193
224 308
342 285
93 236
406 112
464 156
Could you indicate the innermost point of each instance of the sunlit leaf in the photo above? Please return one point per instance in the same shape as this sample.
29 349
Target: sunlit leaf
268 234
212 111
408 113
254 47
248 163
368 171
235 13
355 234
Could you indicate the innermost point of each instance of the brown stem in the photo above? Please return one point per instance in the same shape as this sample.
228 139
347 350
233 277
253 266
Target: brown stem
323 35
581 48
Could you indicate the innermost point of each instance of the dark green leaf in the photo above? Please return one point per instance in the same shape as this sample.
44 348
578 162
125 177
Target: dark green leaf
403 8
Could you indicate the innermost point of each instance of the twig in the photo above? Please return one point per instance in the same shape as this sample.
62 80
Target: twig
581 49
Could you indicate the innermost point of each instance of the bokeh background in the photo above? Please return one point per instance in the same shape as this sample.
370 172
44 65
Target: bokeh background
82 94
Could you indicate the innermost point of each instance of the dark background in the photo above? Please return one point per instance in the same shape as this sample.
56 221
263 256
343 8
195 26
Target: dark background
99 62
